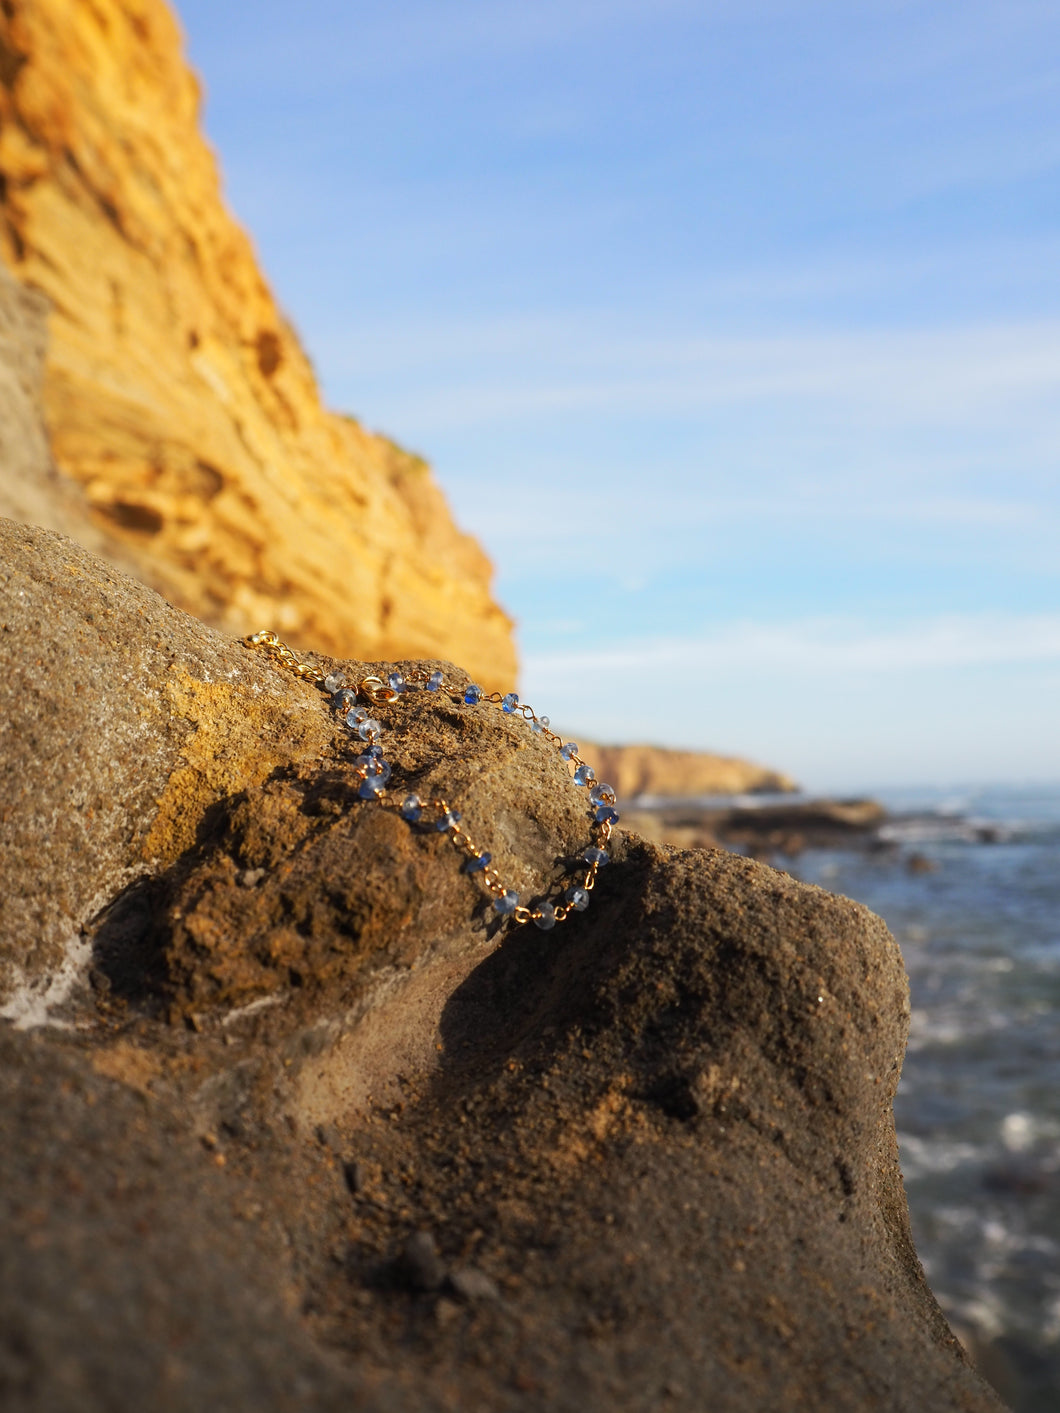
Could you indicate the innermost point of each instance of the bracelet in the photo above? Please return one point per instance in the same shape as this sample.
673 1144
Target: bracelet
373 771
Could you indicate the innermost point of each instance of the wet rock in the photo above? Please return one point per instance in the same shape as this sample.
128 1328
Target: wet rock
664 1128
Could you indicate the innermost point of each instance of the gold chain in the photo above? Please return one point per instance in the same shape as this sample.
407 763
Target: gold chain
374 772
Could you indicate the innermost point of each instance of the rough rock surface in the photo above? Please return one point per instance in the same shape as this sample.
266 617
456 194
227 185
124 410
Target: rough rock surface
657 770
321 1133
31 488
177 394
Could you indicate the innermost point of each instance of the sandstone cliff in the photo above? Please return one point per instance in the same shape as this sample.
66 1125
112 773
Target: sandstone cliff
292 1121
176 393
657 770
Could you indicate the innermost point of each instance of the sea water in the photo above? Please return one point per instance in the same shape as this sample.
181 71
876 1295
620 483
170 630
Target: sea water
969 883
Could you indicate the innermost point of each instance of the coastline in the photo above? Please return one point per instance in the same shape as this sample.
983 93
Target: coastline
762 828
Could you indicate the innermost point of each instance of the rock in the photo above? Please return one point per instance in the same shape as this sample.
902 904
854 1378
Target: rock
471 1284
31 488
656 770
177 394
663 1128
764 830
920 863
419 1264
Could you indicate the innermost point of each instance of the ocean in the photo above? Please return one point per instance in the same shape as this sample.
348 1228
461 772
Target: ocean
969 883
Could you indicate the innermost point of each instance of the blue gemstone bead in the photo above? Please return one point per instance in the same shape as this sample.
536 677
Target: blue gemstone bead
371 788
448 819
334 682
355 716
569 751
510 702
578 898
476 864
602 794
606 814
545 916
369 728
375 768
411 808
434 682
507 903
472 694
596 856
344 699
584 775
539 723
397 682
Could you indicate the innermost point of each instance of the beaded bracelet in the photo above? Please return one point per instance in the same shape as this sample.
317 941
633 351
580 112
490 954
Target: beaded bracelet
374 771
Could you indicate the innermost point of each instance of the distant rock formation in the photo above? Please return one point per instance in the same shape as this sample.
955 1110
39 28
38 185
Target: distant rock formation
176 394
292 1121
656 770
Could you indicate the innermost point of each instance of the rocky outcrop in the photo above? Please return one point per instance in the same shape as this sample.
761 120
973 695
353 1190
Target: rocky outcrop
31 489
657 770
176 393
292 1120
763 831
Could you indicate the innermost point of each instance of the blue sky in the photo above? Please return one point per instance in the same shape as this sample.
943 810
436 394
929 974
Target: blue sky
731 329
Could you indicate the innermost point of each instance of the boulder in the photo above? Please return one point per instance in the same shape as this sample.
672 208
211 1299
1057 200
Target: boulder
293 1119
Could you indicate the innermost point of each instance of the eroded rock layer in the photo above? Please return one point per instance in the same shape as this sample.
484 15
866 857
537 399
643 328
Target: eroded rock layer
177 394
293 1121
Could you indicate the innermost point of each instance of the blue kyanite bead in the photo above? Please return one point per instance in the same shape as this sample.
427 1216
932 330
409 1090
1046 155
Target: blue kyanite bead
397 682
477 862
375 749
545 916
411 808
472 694
602 794
578 898
371 788
584 775
510 702
375 768
507 903
448 819
344 699
369 728
355 716
334 682
606 814
569 751
434 682
596 856
539 723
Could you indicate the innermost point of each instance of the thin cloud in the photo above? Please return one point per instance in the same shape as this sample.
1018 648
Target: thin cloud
563 366
819 646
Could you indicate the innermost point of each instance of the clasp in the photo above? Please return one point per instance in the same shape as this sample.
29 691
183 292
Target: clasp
375 689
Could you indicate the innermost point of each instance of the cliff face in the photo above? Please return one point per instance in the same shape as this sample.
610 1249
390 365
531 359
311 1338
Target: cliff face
175 392
655 770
